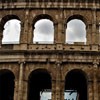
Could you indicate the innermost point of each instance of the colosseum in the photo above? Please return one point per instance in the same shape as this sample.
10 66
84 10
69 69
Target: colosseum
56 67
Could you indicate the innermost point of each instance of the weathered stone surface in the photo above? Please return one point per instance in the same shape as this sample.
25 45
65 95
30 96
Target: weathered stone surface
58 58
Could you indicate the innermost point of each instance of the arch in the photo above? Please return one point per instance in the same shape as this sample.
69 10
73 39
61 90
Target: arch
10 27
76 82
43 29
42 16
6 85
7 18
76 29
77 16
39 82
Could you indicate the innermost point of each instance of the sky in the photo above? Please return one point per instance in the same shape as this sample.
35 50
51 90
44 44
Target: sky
67 95
75 31
45 96
11 32
44 32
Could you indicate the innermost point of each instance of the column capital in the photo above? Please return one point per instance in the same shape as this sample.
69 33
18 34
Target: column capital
58 63
95 63
21 62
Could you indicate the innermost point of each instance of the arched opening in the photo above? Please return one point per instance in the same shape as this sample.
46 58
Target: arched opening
76 30
11 32
6 85
43 30
11 27
76 85
39 85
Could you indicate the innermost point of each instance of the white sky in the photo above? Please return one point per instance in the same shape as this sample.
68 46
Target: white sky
76 31
45 96
44 32
11 33
67 95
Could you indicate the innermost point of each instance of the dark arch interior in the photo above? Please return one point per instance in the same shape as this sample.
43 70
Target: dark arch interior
39 81
6 85
76 80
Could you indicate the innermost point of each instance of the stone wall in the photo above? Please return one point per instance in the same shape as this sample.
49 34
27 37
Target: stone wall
57 59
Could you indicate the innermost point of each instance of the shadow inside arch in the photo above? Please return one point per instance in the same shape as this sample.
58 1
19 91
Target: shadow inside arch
39 82
6 85
76 80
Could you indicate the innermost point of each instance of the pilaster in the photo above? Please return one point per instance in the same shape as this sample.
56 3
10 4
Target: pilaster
95 81
53 90
20 84
58 81
25 27
1 36
16 89
90 90
94 38
55 32
60 35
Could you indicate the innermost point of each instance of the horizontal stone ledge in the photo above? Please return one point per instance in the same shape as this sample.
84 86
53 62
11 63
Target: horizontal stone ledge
51 61
49 5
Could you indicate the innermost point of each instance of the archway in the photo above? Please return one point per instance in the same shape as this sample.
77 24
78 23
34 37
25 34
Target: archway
11 32
43 29
10 26
39 85
6 85
76 30
76 83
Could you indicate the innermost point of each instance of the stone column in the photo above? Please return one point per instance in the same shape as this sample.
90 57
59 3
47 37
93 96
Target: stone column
53 90
58 80
1 35
62 89
88 33
25 89
16 89
90 90
98 30
60 35
95 84
20 84
94 38
24 30
30 33
55 32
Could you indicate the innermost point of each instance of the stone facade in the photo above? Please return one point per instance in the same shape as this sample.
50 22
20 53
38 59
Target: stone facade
56 60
